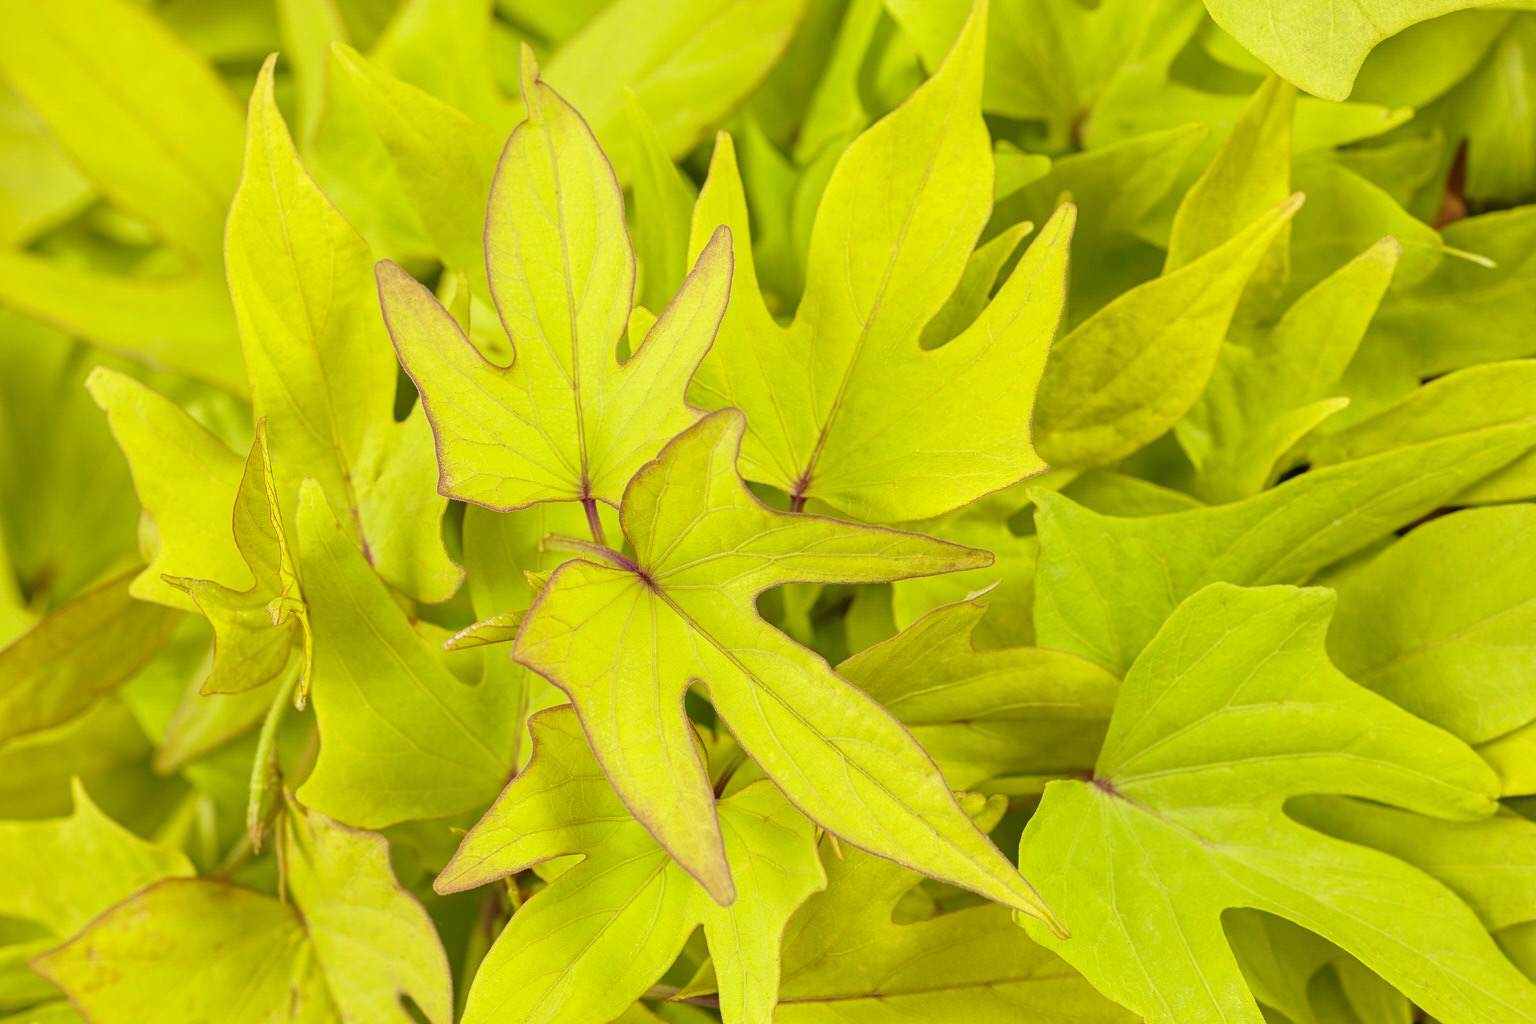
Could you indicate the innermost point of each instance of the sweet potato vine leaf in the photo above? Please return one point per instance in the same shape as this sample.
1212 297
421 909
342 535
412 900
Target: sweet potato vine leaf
1105 584
348 947
1443 622
592 942
983 714
1229 712
322 374
625 637
85 648
566 421
846 961
242 580
75 867
401 737
845 405
254 628
152 125
1321 44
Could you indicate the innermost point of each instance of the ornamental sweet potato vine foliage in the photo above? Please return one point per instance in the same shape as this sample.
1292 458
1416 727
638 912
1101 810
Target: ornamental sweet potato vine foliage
768 510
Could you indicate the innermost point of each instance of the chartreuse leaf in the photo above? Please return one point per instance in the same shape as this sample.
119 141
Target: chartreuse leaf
152 956
1443 622
166 142
442 157
1320 44
1485 395
1466 312
1104 585
83 649
567 421
505 552
1134 368
872 423
1230 711
1009 582
254 628
1487 862
66 871
1279 961
624 637
186 479
670 58
374 942
243 581
63 528
1047 60
1271 386
49 190
594 940
847 961
319 359
153 127
349 947
982 714
663 209
400 736
61 874
1250 174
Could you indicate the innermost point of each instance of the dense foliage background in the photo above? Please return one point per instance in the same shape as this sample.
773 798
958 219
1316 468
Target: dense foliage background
1121 414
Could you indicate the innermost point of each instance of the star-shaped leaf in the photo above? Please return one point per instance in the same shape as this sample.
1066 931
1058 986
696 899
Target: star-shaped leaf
348 947
322 373
845 405
846 961
603 932
1232 710
625 637
566 421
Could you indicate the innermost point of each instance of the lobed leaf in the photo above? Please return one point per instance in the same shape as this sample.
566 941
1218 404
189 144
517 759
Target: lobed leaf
567 421
625 637
1231 710
873 422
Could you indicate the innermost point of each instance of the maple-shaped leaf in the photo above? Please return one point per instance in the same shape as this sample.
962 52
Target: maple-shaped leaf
567 421
845 404
624 638
605 931
348 947
1232 710
322 372
982 714
847 961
